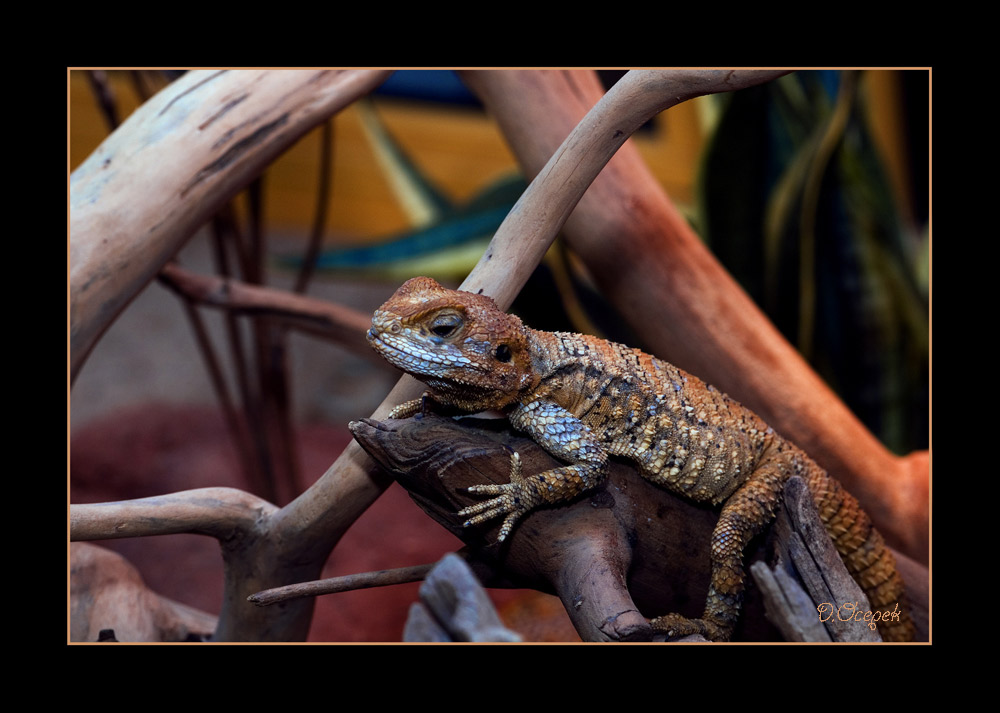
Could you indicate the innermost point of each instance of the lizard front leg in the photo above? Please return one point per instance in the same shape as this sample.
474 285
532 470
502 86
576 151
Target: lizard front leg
746 513
564 436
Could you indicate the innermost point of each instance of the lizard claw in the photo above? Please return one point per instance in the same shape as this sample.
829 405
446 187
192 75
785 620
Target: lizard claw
508 500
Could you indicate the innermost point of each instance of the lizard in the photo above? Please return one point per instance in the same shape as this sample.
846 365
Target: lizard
585 399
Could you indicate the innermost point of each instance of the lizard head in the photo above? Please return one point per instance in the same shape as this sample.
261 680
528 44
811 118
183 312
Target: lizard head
471 353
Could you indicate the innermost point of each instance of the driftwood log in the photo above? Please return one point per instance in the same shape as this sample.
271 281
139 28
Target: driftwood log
624 552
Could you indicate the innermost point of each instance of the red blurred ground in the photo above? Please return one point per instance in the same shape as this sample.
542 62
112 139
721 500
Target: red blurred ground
158 449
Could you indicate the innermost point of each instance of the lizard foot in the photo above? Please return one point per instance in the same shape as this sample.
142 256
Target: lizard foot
676 626
510 500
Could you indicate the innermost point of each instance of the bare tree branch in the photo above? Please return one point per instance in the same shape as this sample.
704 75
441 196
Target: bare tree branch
218 512
345 583
318 317
533 223
207 135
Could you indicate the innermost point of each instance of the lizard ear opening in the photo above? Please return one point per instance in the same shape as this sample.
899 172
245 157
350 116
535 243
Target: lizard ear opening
503 353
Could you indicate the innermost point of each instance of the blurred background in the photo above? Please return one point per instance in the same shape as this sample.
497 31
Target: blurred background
813 191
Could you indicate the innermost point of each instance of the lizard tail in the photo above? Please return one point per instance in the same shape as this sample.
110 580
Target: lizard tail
863 550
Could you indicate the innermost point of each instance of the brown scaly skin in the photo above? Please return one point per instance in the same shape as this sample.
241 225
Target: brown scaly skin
584 399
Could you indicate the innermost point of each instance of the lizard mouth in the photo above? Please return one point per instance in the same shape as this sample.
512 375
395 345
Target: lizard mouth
383 346
405 359
422 362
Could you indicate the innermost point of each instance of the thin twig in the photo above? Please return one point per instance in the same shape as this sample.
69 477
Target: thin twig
274 419
223 227
339 324
322 202
280 410
346 583
233 423
226 233
105 97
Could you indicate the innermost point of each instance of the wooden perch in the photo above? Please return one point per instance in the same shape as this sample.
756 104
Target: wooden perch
808 577
352 482
626 551
801 541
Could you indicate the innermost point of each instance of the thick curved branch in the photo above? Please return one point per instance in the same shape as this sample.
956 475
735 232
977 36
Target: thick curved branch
254 560
171 165
533 223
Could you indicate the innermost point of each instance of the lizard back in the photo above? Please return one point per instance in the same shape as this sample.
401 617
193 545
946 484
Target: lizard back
683 434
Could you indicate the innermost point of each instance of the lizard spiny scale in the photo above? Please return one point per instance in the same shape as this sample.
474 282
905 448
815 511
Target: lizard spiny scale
584 399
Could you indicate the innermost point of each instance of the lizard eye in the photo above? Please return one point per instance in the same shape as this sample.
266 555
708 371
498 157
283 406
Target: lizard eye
445 325
503 353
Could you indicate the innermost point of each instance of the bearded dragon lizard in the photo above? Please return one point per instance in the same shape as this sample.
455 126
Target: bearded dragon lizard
584 399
